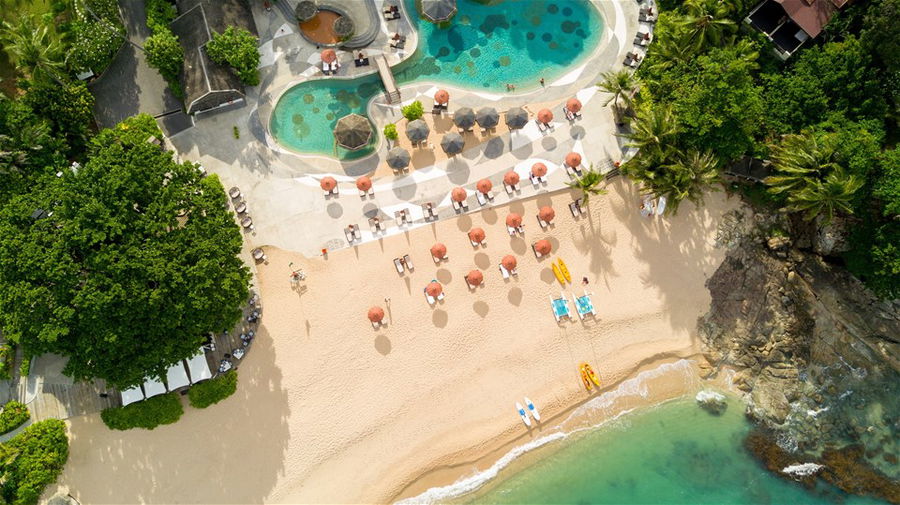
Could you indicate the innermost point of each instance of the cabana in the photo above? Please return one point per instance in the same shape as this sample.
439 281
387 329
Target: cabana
132 395
154 387
198 368
177 377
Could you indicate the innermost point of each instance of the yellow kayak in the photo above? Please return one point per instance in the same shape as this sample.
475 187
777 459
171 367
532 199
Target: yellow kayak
590 372
565 270
585 378
558 274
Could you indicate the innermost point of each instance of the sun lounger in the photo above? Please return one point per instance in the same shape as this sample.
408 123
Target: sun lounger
457 206
544 224
537 253
399 265
512 231
408 262
326 69
569 170
432 300
390 16
504 272
574 209
361 62
476 244
509 189
661 205
642 39
584 305
542 127
482 200
535 181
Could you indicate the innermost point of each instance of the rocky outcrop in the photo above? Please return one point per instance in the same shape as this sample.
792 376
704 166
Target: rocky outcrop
816 353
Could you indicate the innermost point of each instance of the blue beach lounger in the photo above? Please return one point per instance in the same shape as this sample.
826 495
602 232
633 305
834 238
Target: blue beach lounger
560 307
584 305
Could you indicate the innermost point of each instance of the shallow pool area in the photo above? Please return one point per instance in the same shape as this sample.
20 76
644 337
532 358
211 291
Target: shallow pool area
487 45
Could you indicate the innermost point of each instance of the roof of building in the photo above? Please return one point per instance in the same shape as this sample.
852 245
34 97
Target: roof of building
810 15
194 28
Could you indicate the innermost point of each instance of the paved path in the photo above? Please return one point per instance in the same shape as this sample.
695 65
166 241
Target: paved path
130 86
282 188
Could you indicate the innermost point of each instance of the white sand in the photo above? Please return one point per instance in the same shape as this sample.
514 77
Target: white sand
330 410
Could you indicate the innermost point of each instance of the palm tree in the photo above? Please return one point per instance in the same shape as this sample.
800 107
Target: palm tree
34 50
588 184
621 84
687 178
706 23
671 51
826 197
654 131
800 159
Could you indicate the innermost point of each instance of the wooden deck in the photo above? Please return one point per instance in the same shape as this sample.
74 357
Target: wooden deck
392 93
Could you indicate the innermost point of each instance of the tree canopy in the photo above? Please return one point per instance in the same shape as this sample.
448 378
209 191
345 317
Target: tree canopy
237 48
138 260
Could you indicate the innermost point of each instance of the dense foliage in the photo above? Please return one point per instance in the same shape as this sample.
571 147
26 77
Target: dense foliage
13 415
390 131
159 14
413 111
213 391
146 414
32 460
707 95
165 54
138 259
7 354
67 107
236 48
96 34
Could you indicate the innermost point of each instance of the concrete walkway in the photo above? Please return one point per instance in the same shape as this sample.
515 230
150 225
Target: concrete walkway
282 188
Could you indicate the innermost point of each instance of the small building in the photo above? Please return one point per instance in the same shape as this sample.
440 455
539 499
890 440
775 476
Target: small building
206 84
790 23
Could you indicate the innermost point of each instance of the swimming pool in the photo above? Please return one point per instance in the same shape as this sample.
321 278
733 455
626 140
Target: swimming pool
487 45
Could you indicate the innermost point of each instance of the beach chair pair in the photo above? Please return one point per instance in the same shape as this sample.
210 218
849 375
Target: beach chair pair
642 39
402 217
511 188
259 255
647 15
483 243
460 206
484 198
370 192
438 261
375 223
506 273
432 300
571 115
544 127
536 181
361 62
572 171
584 305
333 192
391 15
405 261
512 231
352 233
575 208
428 212
633 59
560 307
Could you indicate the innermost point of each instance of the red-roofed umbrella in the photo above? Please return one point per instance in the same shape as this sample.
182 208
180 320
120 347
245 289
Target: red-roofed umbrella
573 159
476 235
364 183
545 116
543 246
376 314
439 250
574 104
511 178
484 185
539 169
434 289
509 262
513 220
475 277
328 55
328 183
458 194
546 213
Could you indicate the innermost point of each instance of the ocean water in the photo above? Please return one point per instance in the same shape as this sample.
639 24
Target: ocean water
487 45
674 453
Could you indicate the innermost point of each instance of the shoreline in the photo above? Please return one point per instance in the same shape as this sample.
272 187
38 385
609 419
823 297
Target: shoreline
472 476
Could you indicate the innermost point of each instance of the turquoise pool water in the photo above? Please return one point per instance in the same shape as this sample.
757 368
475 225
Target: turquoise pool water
487 45
675 453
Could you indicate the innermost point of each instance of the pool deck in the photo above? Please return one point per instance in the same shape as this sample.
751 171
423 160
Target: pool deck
281 188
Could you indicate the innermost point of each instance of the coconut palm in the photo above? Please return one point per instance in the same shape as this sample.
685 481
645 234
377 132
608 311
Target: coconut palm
621 84
34 50
706 23
799 159
654 131
687 178
826 197
588 184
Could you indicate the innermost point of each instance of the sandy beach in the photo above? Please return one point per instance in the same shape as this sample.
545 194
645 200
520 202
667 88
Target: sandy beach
329 409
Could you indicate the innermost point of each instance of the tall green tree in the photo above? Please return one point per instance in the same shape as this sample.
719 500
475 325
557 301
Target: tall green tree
826 197
138 260
706 23
799 159
28 149
35 52
588 183
654 132
621 85
687 178
237 48
69 107
165 53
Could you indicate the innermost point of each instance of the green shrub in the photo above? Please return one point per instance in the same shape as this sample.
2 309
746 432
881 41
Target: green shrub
159 14
413 111
25 367
214 390
94 43
13 415
165 54
32 460
147 414
236 48
7 353
390 131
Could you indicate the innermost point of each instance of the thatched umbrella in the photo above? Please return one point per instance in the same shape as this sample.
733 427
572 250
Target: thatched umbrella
516 118
487 117
398 158
306 10
464 118
438 11
417 130
453 143
353 132
343 27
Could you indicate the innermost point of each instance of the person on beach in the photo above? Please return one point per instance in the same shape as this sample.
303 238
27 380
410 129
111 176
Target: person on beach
584 281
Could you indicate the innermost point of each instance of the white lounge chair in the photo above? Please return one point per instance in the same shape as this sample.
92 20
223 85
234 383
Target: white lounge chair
483 243
408 261
511 230
398 265
357 233
535 181
482 200
349 234
544 224
537 254
430 299
503 271
574 209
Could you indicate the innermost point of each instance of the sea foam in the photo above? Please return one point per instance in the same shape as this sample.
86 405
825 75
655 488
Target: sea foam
636 386
802 469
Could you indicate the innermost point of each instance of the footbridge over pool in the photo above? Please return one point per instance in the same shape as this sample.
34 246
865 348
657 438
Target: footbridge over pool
391 92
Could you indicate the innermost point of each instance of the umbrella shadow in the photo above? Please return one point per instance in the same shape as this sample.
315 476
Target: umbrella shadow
482 261
489 215
335 210
549 143
464 223
458 171
444 276
383 345
514 296
577 132
494 148
439 318
481 308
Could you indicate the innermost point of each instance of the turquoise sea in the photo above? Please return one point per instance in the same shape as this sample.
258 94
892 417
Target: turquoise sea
674 453
487 45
